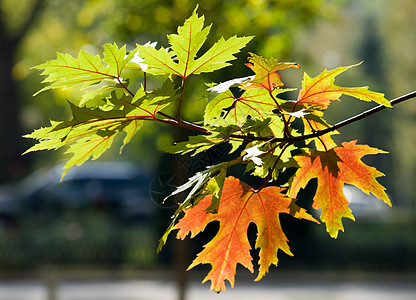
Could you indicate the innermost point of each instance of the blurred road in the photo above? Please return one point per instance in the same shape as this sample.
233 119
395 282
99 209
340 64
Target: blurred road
244 290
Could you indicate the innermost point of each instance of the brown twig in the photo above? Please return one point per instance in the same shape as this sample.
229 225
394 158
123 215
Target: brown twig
337 126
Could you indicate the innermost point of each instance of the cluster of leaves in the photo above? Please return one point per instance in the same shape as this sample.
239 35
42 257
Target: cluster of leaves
266 134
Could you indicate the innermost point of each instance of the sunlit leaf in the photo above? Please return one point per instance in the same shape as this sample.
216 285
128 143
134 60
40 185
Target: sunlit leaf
334 168
87 70
181 59
321 90
240 205
225 108
266 72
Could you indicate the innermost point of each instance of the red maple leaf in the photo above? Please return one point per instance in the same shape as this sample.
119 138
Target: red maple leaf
240 205
333 169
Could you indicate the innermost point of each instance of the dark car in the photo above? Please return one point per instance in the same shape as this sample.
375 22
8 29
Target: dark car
100 213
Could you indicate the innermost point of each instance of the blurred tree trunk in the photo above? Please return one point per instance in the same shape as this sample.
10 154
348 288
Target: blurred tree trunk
11 162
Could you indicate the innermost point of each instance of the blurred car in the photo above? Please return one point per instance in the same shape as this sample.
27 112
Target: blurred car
364 206
120 187
100 213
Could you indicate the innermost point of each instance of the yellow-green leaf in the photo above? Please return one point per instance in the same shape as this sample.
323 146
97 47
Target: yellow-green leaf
181 59
321 90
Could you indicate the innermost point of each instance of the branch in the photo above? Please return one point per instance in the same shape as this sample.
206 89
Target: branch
341 124
181 124
178 115
355 118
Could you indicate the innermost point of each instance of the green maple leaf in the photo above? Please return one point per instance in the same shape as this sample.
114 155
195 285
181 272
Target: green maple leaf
90 146
91 132
88 134
95 75
157 100
226 109
258 128
200 143
273 159
182 59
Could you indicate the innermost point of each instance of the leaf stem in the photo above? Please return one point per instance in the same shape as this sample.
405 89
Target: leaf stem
269 176
182 123
125 87
314 131
285 122
178 116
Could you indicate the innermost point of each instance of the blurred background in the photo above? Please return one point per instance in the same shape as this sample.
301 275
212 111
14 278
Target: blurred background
106 218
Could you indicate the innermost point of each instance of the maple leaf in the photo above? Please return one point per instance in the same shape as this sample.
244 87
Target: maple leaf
91 132
181 58
258 128
333 169
93 73
224 86
266 72
208 182
252 154
200 179
240 205
227 109
199 143
321 90
266 76
274 160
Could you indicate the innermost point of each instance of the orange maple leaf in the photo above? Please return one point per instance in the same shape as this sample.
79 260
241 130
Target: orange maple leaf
321 90
240 205
333 169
